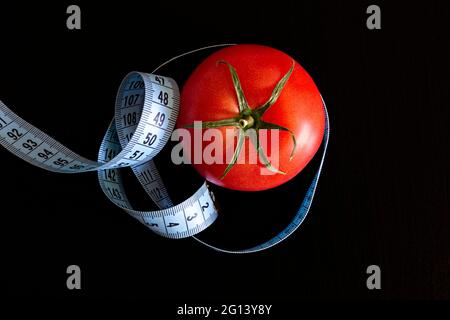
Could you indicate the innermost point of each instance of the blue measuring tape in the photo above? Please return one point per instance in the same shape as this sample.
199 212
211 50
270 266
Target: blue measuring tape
132 140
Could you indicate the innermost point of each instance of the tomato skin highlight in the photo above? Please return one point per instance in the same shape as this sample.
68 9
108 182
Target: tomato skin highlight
209 95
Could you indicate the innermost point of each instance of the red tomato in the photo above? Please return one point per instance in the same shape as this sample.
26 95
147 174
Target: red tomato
209 95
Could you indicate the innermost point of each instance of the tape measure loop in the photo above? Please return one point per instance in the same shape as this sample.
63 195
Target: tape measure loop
146 109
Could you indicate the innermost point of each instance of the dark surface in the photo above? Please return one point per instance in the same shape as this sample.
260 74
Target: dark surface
383 197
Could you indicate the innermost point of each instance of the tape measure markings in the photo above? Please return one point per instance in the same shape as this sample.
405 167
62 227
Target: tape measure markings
124 144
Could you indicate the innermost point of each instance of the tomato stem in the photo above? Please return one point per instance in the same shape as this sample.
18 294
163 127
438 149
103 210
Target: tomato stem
246 122
251 118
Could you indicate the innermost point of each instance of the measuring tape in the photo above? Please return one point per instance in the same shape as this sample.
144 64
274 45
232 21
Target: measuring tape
146 111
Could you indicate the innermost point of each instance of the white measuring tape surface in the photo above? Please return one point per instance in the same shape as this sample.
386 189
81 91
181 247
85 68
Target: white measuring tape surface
146 111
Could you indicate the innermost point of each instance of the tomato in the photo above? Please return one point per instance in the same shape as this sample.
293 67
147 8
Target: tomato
211 95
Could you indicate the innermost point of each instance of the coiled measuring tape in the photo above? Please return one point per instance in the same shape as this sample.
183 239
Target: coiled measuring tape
146 111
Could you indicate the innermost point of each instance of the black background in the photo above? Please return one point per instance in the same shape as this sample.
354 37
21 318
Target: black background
383 197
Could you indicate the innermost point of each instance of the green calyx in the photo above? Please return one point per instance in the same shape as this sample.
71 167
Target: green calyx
251 119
